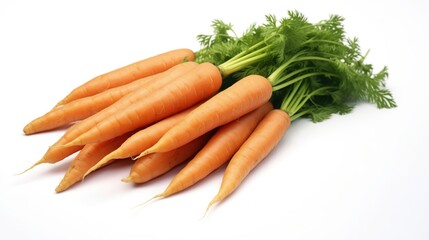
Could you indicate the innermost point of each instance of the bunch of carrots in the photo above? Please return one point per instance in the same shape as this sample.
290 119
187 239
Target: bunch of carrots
230 103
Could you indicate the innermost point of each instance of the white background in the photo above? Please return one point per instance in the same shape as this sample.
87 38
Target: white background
360 176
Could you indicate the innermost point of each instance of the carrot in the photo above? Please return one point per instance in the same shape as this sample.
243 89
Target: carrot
141 140
87 106
56 153
154 165
242 97
129 73
128 100
200 83
260 143
82 108
218 150
88 157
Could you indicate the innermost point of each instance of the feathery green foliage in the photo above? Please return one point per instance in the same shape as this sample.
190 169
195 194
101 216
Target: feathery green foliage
315 70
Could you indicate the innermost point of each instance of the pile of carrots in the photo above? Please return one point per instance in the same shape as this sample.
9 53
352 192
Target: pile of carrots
176 108
161 112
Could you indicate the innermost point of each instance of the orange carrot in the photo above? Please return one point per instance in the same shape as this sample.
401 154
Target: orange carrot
126 74
242 97
88 157
141 140
154 165
200 83
84 107
55 153
218 150
260 143
138 95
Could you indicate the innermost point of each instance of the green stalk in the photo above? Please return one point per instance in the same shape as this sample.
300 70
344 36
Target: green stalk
291 96
275 76
304 76
246 52
253 54
236 64
300 95
299 99
309 95
313 40
291 74
227 69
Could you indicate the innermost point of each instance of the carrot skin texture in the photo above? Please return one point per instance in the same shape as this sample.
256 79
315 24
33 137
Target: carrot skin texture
218 150
242 97
195 86
128 100
97 107
146 137
151 166
260 143
83 107
88 157
55 153
141 140
129 73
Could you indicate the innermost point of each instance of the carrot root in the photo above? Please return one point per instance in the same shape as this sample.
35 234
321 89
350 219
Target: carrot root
260 143
157 164
195 86
28 169
241 98
129 73
218 150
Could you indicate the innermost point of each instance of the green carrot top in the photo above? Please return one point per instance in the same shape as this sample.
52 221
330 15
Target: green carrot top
315 71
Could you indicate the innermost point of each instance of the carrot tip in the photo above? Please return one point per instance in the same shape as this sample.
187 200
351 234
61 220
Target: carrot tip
139 156
97 166
28 130
126 180
60 188
144 153
31 167
212 202
92 169
132 178
87 173
157 196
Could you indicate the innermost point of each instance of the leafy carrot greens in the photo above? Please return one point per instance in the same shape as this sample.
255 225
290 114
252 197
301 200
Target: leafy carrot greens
314 69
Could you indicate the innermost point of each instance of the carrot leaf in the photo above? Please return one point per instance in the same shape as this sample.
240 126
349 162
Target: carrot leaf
314 69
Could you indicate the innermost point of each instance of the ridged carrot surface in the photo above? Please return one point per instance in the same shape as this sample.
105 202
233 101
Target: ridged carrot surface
197 85
243 97
261 142
218 150
131 72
